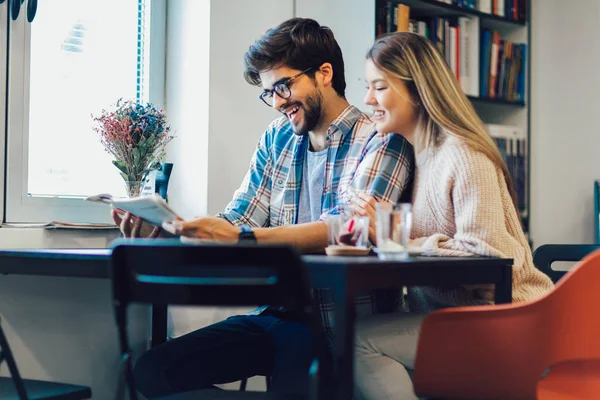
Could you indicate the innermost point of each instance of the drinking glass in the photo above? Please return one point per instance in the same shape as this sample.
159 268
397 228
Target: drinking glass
347 230
393 226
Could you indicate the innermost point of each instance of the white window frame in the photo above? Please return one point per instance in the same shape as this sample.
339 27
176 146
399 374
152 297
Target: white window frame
20 207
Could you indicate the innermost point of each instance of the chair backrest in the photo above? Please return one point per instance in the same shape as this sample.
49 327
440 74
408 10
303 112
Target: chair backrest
545 255
501 352
6 355
168 272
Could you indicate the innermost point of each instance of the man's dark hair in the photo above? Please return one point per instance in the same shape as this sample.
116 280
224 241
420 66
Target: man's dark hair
298 43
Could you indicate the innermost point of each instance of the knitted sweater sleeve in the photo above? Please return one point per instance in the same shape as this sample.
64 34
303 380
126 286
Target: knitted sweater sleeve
482 208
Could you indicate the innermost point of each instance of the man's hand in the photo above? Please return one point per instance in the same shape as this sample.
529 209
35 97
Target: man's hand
211 228
133 227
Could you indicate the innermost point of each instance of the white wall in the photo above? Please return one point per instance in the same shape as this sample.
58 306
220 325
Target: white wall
353 25
237 117
216 115
565 107
187 91
63 329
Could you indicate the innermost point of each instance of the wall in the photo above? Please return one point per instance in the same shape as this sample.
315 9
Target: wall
565 104
355 33
216 115
187 95
63 329
237 117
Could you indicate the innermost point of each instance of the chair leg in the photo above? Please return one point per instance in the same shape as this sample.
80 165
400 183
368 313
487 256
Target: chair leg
6 354
126 382
130 380
313 380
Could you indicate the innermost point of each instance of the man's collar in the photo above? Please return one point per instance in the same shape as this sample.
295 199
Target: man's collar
345 121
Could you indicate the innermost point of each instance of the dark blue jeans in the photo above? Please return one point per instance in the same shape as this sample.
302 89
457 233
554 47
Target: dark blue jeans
237 348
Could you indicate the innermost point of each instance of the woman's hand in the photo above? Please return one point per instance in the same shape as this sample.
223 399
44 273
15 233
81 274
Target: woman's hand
364 205
134 227
211 228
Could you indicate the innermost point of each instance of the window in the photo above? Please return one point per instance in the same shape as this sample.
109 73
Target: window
76 58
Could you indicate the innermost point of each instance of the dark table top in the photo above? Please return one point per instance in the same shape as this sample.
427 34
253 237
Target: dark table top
93 263
372 273
77 263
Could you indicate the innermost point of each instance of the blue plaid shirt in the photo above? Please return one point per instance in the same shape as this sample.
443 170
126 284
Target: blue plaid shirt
358 158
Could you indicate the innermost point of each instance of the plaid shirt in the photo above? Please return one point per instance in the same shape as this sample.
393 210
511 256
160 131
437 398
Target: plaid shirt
357 157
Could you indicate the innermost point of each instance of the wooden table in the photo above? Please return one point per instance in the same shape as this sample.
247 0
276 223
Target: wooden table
344 275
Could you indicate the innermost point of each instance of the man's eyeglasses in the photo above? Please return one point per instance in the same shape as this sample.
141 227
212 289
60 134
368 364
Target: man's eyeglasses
282 89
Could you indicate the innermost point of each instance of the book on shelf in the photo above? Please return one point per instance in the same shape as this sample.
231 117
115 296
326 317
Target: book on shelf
485 6
153 208
502 67
512 144
485 64
469 53
403 16
499 9
457 39
511 9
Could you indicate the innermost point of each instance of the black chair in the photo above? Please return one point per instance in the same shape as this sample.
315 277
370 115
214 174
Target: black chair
16 388
545 255
163 272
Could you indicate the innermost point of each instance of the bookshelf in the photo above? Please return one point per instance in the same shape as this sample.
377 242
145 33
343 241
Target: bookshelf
496 50
489 100
439 8
355 25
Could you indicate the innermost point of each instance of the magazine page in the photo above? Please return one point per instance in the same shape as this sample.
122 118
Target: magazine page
152 209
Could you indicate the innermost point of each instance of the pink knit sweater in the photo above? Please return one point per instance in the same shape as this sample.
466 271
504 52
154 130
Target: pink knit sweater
462 207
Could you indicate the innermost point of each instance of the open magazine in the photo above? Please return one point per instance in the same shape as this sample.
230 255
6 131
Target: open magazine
153 208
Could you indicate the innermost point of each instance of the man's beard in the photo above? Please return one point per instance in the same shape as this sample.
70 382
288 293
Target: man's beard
312 114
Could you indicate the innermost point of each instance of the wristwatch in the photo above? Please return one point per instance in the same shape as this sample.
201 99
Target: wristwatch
246 235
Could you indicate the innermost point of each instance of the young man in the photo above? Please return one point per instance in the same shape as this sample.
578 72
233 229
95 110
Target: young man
302 169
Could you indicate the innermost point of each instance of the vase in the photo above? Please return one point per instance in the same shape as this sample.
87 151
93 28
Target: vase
162 179
133 188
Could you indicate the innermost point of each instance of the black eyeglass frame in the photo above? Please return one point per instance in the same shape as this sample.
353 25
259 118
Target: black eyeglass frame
284 87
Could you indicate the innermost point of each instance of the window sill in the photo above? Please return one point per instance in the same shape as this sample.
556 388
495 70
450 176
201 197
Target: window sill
28 238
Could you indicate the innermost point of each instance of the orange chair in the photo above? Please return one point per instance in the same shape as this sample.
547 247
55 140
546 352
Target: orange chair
504 351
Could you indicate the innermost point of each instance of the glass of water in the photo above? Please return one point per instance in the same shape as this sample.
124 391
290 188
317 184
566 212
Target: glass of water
393 227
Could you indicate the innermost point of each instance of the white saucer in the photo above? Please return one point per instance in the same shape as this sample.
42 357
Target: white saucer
414 251
411 252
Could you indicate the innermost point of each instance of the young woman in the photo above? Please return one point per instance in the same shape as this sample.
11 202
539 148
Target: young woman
463 201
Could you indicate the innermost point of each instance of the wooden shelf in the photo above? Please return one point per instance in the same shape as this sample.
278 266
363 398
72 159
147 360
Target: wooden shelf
488 100
432 8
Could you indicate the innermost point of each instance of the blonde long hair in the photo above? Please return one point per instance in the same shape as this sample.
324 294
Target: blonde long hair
443 108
